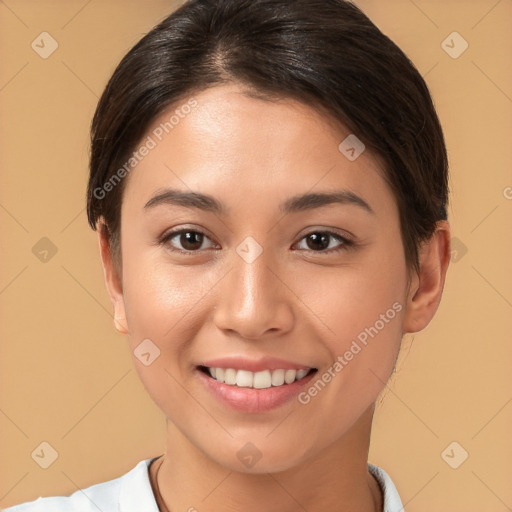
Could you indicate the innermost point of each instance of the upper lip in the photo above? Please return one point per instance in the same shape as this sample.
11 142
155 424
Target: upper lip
254 365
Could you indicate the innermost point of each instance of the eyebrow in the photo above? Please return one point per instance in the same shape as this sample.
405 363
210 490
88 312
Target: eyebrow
294 204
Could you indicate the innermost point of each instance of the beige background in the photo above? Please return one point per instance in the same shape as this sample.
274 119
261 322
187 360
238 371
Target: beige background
67 377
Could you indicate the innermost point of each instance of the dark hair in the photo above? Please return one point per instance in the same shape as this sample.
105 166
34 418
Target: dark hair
325 53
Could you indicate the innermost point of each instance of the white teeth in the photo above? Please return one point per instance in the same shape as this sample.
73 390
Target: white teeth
277 377
244 379
220 374
257 380
289 376
301 373
230 376
262 379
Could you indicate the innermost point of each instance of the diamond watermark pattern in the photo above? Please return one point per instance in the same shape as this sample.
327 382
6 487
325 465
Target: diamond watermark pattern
146 352
249 249
249 455
351 147
457 249
454 455
45 455
44 45
454 45
44 250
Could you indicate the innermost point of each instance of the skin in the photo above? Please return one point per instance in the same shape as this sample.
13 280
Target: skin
296 301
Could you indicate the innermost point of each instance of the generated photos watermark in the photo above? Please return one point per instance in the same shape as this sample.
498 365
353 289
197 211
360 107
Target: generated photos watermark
149 143
355 348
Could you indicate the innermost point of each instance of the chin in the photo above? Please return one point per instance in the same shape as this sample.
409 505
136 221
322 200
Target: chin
259 457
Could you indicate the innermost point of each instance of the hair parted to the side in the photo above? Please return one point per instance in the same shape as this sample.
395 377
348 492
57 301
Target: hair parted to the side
324 53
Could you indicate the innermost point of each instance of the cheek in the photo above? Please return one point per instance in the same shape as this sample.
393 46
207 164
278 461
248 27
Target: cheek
362 313
162 305
161 299
351 298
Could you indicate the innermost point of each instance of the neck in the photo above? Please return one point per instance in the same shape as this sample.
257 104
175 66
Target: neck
335 479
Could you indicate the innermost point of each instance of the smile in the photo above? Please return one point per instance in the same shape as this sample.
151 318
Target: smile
254 385
257 380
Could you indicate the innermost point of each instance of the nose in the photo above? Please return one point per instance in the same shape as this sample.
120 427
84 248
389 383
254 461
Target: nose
254 300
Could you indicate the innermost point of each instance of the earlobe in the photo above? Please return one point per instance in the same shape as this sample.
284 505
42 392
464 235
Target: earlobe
120 328
112 278
427 287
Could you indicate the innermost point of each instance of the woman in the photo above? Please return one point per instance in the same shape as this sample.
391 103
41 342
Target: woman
268 181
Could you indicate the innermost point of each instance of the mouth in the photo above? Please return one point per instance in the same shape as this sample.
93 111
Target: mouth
264 379
255 392
253 385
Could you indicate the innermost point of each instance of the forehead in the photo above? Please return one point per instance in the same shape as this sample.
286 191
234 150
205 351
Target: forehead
222 142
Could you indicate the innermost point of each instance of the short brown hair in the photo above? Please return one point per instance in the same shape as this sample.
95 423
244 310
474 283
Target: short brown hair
325 53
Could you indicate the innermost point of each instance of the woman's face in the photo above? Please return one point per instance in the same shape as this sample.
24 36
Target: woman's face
262 273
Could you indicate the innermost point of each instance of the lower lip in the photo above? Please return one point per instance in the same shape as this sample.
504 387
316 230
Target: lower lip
254 400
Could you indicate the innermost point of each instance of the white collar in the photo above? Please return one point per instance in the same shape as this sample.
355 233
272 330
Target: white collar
136 494
392 501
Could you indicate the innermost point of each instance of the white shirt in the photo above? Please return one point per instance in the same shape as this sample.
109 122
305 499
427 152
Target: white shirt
132 492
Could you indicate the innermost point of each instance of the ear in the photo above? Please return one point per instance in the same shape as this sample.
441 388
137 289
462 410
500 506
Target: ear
426 287
112 278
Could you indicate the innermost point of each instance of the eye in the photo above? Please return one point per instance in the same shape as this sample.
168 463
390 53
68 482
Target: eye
318 241
190 240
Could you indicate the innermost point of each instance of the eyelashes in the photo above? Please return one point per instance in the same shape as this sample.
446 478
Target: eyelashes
189 237
345 243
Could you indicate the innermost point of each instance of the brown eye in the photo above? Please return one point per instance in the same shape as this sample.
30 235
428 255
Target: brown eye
191 240
184 240
319 241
